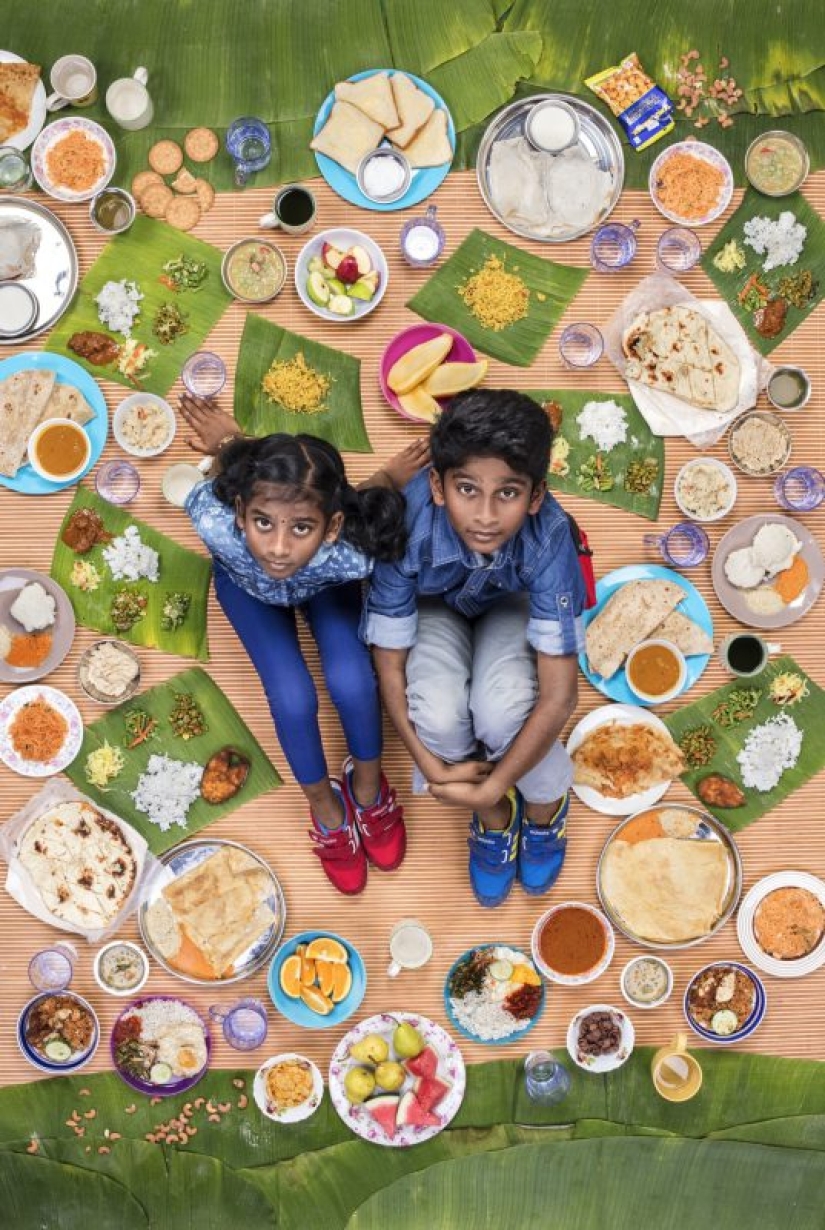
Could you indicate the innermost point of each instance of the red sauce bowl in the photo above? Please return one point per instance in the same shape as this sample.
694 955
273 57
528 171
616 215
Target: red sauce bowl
569 928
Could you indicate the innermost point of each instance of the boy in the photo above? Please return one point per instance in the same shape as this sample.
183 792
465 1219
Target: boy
475 633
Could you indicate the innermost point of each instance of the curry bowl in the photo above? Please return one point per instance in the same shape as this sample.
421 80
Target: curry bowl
59 450
572 944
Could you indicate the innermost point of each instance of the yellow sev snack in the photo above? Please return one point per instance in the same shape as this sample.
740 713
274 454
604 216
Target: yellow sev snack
75 162
495 297
296 386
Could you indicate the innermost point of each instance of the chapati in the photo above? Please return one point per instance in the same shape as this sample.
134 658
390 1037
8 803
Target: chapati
67 402
664 889
676 350
628 617
684 633
23 398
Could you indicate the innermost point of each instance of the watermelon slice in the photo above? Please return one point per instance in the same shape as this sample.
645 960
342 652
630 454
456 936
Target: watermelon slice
430 1091
412 1114
384 1111
424 1064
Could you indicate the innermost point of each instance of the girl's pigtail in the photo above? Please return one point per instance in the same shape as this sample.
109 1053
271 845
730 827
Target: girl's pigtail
374 522
236 461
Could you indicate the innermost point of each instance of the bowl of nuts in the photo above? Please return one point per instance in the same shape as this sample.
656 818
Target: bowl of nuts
600 1038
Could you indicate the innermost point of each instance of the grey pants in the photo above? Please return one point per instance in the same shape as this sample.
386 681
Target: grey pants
472 684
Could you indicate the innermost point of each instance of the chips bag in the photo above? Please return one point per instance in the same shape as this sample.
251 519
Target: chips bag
643 109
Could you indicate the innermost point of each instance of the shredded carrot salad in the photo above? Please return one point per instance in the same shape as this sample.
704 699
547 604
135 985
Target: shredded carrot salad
30 650
75 162
38 731
688 186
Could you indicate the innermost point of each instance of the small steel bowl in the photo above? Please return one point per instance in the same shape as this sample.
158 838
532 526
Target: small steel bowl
90 690
28 299
384 153
760 416
552 104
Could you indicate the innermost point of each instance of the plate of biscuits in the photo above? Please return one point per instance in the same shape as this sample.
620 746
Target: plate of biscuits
172 187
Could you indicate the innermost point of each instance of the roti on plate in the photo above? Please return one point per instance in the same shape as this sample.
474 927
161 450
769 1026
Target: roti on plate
67 402
665 889
676 350
17 85
684 633
620 759
628 617
23 399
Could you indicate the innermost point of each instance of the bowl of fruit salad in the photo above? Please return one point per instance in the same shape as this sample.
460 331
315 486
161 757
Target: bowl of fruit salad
341 275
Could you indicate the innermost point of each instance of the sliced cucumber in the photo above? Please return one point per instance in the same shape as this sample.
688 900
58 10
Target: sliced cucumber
160 1074
58 1050
724 1022
502 971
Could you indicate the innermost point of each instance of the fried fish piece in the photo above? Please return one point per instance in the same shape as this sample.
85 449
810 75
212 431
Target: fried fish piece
224 775
719 791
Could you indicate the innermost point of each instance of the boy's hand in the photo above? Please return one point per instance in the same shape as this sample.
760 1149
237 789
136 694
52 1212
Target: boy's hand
406 464
473 796
470 772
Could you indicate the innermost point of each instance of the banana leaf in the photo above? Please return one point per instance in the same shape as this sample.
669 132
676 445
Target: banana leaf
340 421
808 714
180 570
138 256
224 727
640 445
812 258
552 287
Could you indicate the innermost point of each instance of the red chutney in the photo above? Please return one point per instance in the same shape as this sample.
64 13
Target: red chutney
572 941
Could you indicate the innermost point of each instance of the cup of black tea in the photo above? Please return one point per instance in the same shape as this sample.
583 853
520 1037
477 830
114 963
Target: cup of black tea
293 210
745 654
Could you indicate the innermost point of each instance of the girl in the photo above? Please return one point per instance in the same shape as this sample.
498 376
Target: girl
287 532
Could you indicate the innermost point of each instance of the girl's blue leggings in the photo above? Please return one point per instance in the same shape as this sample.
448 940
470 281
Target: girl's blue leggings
270 636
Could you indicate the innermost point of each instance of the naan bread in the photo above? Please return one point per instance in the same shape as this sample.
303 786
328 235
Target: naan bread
628 617
666 891
372 95
23 399
17 85
67 402
347 136
414 108
621 759
684 634
675 350
431 146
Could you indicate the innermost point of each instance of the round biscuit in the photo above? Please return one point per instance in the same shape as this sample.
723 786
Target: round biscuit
183 212
154 200
201 144
144 180
166 157
205 194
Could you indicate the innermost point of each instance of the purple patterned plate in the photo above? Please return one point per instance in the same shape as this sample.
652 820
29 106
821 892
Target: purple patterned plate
56 132
450 1069
180 1017
462 352
68 749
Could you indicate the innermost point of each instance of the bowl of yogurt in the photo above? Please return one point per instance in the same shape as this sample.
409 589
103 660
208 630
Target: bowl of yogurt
121 968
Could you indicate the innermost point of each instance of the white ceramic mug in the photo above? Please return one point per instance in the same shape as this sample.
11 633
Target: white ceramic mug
74 80
411 946
180 478
128 101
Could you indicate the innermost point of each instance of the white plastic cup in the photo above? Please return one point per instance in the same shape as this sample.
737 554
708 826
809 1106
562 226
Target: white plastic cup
74 81
128 101
411 946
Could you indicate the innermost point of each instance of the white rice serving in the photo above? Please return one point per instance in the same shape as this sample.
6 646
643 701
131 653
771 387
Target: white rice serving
769 750
166 791
605 422
118 306
130 559
780 242
33 607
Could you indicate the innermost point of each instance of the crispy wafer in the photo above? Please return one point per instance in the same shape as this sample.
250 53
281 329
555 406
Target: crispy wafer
201 144
155 199
205 194
144 180
183 212
166 157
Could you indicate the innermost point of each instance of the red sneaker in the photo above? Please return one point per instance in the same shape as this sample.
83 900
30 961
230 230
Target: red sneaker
340 851
381 825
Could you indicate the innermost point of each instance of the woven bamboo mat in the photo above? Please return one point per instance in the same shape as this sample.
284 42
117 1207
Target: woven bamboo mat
432 884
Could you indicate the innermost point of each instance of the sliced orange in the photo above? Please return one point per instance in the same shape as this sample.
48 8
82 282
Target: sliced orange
328 949
307 971
325 975
342 984
290 976
316 1000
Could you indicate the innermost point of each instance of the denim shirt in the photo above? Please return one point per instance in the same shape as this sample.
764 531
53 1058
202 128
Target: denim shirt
332 564
540 560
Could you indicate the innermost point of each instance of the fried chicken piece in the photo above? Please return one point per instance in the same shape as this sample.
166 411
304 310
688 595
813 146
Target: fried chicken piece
96 348
224 775
719 791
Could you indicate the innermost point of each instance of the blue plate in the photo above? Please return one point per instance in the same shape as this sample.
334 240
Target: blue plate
67 372
425 180
693 606
517 1033
295 1010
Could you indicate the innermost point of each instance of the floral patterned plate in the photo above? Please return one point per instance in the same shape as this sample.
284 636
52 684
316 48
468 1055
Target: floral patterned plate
67 709
294 1114
601 1063
450 1068
55 132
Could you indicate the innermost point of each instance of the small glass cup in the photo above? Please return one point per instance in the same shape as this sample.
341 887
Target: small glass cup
204 374
250 146
422 240
581 345
678 249
113 211
15 172
117 481
684 545
613 246
546 1080
801 489
244 1024
52 968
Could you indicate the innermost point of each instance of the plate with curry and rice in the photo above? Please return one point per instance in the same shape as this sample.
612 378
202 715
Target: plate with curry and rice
781 924
669 877
37 625
214 912
768 571
41 731
624 759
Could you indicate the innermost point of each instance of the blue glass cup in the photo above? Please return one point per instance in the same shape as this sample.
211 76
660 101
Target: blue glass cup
613 246
581 345
244 1024
546 1080
801 489
249 145
684 545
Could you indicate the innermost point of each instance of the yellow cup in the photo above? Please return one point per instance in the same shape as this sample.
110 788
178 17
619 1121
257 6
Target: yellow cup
677 1076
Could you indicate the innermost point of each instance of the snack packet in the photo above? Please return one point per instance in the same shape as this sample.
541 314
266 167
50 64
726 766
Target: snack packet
643 109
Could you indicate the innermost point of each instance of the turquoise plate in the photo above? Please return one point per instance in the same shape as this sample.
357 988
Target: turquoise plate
67 372
692 605
425 180
462 1029
295 1010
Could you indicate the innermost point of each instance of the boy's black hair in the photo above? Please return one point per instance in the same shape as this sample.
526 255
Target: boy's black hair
304 467
493 423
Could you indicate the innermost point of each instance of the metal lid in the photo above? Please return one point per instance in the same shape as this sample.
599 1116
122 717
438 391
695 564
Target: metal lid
27 307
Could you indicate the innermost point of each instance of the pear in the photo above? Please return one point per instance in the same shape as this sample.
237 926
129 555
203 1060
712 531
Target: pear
390 1076
372 1049
359 1084
407 1041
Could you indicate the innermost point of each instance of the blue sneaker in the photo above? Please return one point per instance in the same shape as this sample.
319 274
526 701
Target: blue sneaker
493 855
541 851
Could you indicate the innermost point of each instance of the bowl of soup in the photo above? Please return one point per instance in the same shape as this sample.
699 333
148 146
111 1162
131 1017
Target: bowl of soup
572 943
777 163
656 671
59 450
253 270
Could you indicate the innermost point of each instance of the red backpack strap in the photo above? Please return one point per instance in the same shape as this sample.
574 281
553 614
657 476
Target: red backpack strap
585 554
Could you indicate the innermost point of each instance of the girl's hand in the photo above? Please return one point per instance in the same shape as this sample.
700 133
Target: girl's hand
466 772
473 796
406 464
210 425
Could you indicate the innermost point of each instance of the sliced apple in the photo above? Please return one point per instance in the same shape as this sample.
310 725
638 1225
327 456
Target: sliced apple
316 265
318 288
341 305
373 279
362 259
331 256
362 289
347 270
336 286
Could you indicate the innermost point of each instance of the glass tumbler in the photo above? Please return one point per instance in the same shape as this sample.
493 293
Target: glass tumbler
801 489
250 146
117 481
422 240
678 249
546 1080
15 172
204 374
581 345
613 246
684 545
52 968
244 1024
